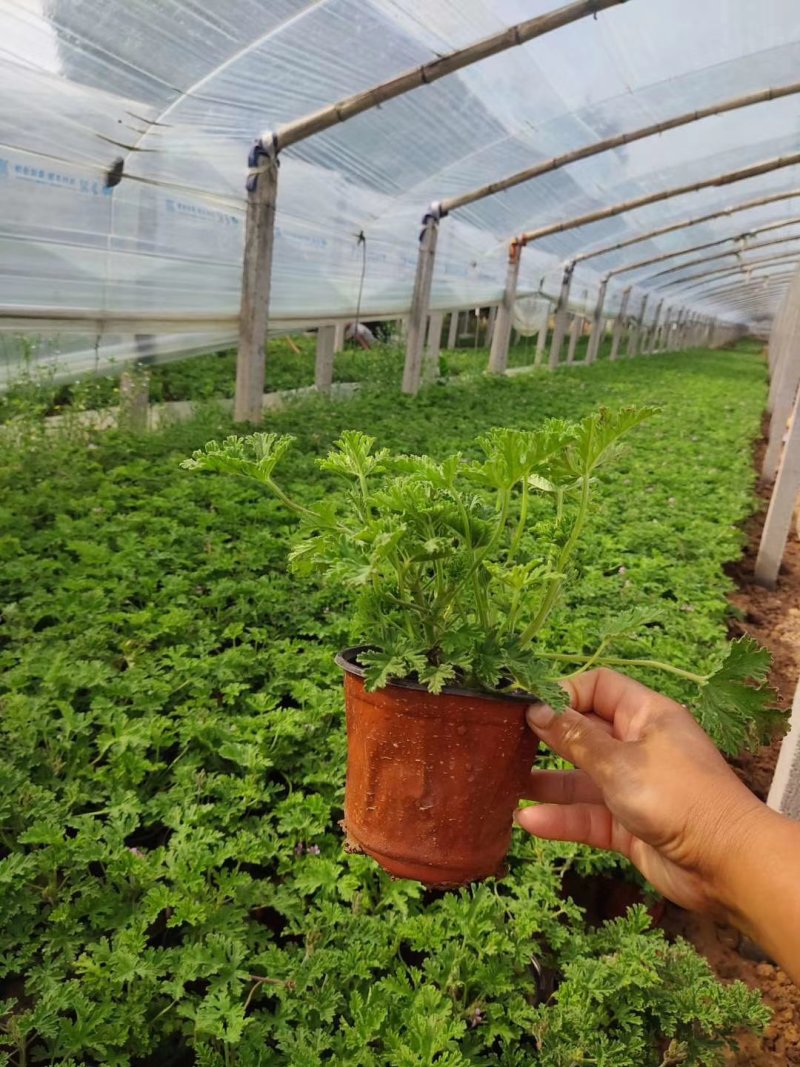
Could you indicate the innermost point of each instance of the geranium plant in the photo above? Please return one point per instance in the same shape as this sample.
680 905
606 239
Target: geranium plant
455 565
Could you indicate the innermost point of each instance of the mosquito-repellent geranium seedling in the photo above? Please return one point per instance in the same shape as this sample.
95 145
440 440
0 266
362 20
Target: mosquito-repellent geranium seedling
455 566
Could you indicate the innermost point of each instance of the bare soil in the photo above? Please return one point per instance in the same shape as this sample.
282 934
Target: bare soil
772 617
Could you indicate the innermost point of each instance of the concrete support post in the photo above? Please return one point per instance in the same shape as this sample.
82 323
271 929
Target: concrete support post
541 342
259 242
635 335
323 366
134 401
498 356
338 335
619 323
663 331
598 324
490 326
420 302
785 339
650 338
781 507
431 363
575 332
452 333
562 316
784 793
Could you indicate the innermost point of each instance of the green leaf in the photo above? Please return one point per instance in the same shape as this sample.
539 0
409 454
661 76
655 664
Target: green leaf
255 456
736 706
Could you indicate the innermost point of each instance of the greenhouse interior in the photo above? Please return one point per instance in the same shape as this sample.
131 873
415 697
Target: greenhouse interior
400 533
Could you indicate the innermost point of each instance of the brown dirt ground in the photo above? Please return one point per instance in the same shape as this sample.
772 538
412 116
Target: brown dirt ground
773 618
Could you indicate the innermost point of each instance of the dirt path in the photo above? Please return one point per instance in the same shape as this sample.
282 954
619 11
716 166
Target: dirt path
772 618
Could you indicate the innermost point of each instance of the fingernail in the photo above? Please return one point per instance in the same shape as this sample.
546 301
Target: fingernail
540 716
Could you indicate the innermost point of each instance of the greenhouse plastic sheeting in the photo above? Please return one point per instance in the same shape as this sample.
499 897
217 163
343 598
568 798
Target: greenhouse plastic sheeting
179 89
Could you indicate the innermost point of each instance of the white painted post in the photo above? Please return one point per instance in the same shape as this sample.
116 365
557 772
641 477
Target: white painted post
562 316
781 507
784 792
619 324
134 401
259 242
431 363
338 335
598 324
323 366
420 301
498 356
452 335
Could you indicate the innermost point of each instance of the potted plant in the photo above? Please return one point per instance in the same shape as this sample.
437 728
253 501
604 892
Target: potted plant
454 567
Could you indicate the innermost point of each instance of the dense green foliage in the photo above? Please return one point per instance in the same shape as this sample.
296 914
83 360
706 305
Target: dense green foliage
172 884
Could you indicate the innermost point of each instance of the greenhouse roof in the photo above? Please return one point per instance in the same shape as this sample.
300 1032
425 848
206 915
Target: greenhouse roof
177 90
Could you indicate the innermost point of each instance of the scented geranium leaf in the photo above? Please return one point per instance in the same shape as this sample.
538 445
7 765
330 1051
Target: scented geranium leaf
352 456
736 706
629 623
436 676
255 456
383 666
598 434
536 677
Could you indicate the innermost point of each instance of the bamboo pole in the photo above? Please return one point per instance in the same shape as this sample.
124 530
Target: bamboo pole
686 283
694 220
498 355
723 255
619 324
562 313
597 324
511 37
547 166
663 256
728 178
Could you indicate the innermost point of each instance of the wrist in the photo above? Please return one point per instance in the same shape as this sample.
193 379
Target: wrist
747 851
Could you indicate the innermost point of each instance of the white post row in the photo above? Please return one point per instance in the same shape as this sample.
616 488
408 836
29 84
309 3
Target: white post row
562 316
498 355
619 324
420 301
323 365
598 324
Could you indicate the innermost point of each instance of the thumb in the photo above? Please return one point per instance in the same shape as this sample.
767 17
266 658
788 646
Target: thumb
578 739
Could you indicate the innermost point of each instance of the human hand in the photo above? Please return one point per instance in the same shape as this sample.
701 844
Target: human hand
650 785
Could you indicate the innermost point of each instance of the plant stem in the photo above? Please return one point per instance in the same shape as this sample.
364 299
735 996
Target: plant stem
621 661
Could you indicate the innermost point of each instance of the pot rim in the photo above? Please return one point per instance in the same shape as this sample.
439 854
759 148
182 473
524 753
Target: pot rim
346 659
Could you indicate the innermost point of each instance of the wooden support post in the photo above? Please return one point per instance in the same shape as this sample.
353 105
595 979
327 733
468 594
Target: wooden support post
562 316
598 324
259 242
781 507
431 362
452 334
575 332
498 356
420 302
619 323
635 336
134 401
338 336
323 366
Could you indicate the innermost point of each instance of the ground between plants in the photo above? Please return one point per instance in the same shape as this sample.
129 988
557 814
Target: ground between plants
172 887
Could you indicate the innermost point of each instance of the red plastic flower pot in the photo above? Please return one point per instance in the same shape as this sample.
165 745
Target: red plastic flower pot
433 779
